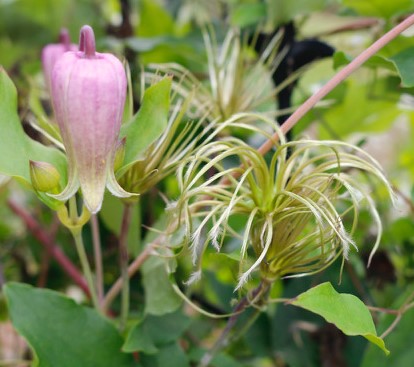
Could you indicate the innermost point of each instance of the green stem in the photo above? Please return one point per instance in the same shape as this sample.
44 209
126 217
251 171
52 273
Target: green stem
97 250
85 267
73 210
137 247
80 247
123 260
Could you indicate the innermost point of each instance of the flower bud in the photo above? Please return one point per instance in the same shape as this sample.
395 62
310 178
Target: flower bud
88 95
51 53
44 176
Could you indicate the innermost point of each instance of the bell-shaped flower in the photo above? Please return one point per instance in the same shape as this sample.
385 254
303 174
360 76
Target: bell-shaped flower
88 95
52 53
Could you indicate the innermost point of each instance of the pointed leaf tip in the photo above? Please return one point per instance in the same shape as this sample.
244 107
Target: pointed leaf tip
347 312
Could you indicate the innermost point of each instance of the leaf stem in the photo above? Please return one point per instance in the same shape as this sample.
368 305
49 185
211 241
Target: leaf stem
97 250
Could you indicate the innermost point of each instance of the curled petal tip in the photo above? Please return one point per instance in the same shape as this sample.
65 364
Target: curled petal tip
115 189
71 188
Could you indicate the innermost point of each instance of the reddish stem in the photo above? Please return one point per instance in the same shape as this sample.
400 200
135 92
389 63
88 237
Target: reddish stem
336 80
132 269
52 248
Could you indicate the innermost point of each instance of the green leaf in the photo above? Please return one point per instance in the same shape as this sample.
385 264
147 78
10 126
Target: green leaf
247 14
35 24
380 8
154 20
42 121
16 148
171 355
148 124
188 51
341 59
375 112
61 332
220 360
138 341
401 230
347 312
283 11
402 63
160 297
156 331
144 44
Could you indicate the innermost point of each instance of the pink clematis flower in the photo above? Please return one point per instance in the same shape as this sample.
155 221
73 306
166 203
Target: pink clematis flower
51 54
88 95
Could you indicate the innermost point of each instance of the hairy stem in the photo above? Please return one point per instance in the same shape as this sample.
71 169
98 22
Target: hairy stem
51 247
97 250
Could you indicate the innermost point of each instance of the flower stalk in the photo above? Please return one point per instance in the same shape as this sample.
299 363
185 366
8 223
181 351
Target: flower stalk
76 230
97 250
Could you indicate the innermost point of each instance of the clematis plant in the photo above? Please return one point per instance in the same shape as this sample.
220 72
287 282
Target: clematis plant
88 96
294 205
